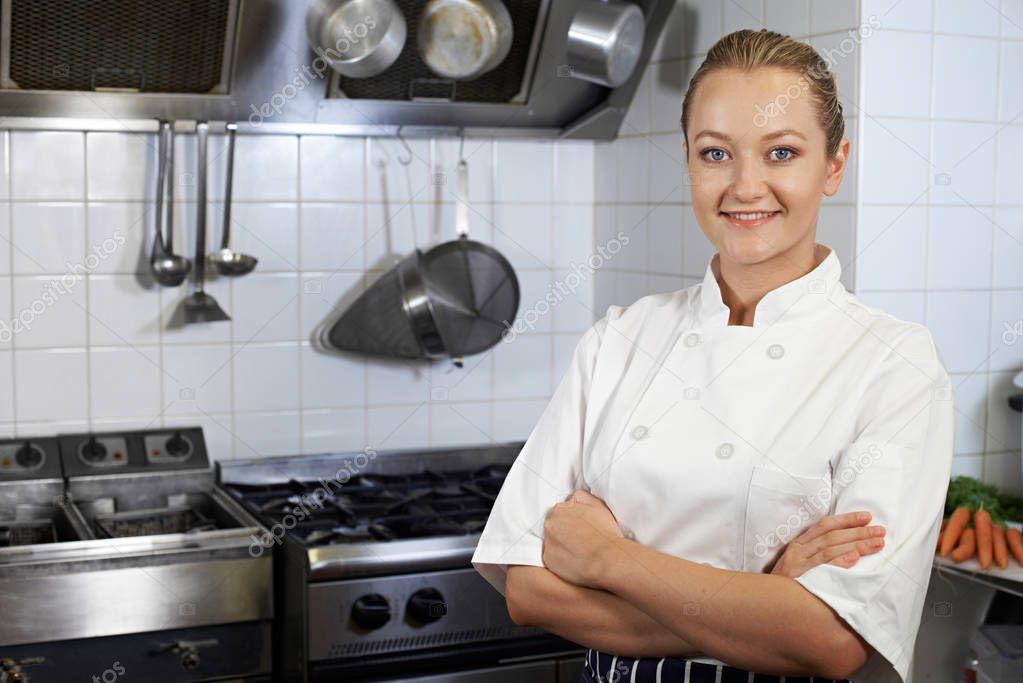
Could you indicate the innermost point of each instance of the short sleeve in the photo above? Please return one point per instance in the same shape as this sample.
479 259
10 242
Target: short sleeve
546 471
898 469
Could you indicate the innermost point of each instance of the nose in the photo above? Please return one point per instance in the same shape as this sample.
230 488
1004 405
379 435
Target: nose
749 183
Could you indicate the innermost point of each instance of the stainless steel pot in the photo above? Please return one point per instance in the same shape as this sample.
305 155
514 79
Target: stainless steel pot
463 39
605 40
358 38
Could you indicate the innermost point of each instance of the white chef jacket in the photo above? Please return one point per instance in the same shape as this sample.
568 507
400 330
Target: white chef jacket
720 443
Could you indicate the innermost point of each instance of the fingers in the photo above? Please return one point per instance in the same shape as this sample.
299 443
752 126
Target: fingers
840 536
845 552
585 497
846 520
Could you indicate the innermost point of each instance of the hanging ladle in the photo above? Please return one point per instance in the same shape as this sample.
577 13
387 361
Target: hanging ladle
225 261
200 307
169 269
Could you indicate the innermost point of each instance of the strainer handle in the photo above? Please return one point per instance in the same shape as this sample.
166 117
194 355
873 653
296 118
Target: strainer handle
462 210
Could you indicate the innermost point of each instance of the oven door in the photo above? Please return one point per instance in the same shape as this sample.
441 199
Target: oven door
552 671
535 672
541 659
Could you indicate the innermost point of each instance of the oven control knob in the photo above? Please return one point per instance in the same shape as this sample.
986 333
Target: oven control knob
29 456
371 611
178 446
426 605
93 451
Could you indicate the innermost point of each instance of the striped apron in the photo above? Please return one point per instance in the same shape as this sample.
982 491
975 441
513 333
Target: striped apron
601 667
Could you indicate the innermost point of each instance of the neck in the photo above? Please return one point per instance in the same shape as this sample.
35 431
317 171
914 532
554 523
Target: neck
744 285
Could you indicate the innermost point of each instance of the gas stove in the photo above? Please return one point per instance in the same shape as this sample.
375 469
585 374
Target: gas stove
374 577
379 507
119 547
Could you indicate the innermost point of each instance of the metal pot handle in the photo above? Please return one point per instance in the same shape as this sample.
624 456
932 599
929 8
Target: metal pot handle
462 209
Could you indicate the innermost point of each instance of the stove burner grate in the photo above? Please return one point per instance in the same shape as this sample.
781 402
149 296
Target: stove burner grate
379 507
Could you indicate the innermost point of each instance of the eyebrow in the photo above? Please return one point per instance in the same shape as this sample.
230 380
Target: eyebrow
769 136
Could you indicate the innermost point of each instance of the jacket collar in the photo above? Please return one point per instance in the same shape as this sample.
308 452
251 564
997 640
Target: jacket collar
804 294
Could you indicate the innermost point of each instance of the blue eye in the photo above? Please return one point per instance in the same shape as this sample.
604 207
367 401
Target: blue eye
789 153
712 149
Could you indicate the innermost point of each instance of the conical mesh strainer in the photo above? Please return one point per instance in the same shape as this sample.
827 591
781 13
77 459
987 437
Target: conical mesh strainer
453 300
473 292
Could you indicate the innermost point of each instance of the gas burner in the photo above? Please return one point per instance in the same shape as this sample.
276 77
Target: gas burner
379 507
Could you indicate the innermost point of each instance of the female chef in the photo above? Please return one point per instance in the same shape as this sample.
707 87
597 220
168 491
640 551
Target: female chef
698 435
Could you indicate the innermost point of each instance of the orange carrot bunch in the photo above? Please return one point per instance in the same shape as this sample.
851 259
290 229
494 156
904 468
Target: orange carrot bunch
990 542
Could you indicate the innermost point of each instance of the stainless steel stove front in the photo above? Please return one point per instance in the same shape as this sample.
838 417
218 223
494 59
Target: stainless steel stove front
399 610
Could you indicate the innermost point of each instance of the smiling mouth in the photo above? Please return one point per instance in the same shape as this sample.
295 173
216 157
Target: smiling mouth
749 219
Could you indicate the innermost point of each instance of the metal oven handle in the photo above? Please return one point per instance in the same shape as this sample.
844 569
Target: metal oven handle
188 649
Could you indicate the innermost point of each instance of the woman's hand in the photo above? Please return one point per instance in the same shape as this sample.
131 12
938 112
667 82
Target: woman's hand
575 534
836 539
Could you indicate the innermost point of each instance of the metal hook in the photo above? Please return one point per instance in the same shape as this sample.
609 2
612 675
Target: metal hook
407 159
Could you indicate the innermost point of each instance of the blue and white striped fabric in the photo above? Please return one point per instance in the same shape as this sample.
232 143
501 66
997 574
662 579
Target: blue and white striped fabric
601 667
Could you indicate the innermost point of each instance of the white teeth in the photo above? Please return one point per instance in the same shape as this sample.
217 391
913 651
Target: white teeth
751 216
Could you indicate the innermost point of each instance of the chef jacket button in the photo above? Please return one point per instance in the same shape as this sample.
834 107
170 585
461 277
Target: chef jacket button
692 339
691 393
639 432
775 351
725 450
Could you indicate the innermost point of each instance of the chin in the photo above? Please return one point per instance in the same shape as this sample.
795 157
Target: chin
747 249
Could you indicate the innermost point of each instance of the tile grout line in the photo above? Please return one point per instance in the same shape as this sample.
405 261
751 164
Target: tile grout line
88 320
10 258
991 263
367 153
300 303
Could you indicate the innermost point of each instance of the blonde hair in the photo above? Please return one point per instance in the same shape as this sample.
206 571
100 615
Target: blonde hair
747 50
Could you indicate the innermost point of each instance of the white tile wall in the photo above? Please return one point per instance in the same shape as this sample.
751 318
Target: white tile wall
322 215
940 235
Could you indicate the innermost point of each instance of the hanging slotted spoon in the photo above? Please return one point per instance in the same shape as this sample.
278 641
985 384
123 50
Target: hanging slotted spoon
200 307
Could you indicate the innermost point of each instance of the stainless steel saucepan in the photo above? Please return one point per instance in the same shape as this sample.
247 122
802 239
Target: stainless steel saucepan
605 40
463 39
358 38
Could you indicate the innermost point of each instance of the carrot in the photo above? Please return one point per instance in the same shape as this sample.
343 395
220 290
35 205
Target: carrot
999 548
941 531
957 521
982 525
967 546
1015 541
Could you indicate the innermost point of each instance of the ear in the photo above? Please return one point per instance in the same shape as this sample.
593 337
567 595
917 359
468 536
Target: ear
836 168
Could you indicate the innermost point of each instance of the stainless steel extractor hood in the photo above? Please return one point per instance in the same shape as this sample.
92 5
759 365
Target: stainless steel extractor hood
119 64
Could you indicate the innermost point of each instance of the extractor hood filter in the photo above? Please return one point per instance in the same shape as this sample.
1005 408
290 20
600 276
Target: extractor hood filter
153 46
410 79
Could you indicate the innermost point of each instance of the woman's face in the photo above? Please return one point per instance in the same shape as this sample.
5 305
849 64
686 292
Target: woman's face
740 160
